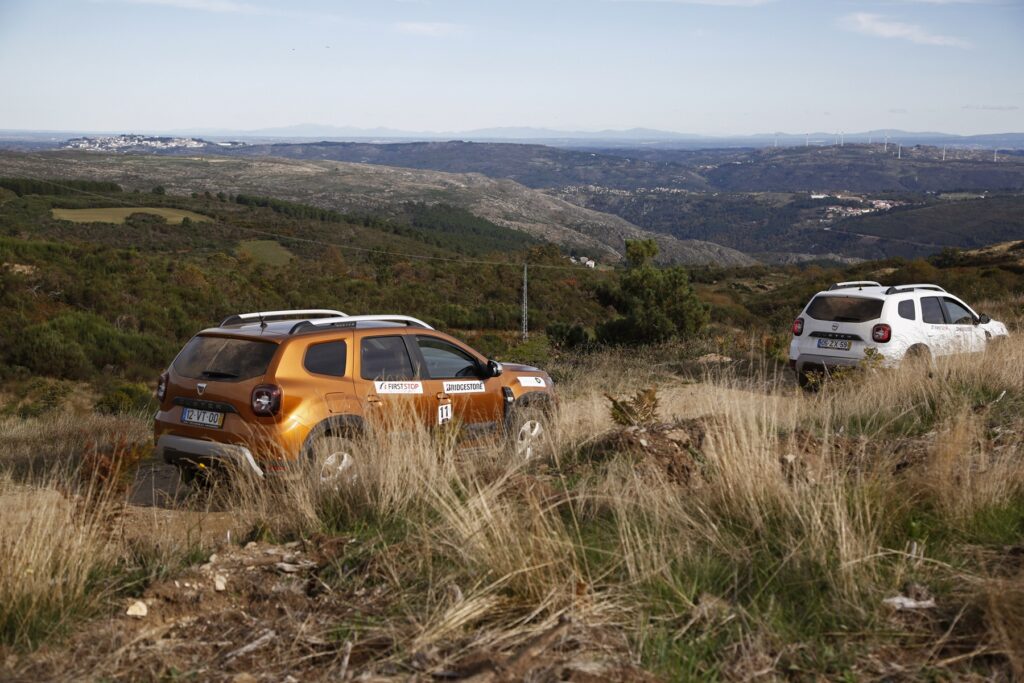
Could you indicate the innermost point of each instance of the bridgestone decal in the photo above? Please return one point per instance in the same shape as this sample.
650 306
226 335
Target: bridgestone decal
398 387
532 382
463 387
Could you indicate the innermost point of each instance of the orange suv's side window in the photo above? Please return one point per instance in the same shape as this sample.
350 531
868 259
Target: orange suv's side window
446 361
384 358
326 358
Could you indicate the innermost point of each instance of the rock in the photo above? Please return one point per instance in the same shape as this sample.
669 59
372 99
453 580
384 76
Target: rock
137 609
902 602
243 678
220 583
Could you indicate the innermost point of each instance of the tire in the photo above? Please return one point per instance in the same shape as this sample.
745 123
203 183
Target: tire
917 355
331 461
528 432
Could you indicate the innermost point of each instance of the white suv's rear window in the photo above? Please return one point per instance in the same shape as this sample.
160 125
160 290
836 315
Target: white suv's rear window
845 309
224 358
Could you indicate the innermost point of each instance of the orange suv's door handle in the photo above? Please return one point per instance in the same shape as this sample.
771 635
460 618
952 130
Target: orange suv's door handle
373 399
441 395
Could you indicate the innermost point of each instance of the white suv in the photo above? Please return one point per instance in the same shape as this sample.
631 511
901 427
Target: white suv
839 326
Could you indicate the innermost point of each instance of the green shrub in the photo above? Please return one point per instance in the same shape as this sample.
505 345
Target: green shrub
126 397
654 304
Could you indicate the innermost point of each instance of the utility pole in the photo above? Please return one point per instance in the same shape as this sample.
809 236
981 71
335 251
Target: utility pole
899 152
526 327
943 152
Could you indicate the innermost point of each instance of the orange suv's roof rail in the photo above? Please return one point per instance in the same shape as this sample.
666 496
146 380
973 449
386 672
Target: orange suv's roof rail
351 320
266 316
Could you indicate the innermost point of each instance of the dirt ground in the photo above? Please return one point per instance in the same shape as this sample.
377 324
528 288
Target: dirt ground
260 611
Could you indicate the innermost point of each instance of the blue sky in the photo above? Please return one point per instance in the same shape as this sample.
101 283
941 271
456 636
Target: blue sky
700 66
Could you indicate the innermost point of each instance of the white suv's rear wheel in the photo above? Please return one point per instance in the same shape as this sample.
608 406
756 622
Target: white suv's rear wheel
917 356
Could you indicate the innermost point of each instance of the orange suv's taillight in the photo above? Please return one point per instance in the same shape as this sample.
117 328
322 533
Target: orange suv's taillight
881 333
266 400
798 327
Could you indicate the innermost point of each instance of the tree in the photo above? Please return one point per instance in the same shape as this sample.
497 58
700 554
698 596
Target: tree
159 189
653 304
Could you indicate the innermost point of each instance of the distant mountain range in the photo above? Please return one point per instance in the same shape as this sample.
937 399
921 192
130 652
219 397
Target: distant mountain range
560 138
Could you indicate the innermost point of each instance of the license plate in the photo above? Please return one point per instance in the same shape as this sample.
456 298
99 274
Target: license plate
839 344
202 418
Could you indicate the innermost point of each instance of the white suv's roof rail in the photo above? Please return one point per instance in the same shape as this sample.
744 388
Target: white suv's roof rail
934 288
854 283
346 320
281 315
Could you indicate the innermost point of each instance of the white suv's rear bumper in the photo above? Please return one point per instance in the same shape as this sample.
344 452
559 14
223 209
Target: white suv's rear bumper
818 361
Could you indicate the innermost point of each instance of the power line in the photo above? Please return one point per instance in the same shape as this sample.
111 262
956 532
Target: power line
309 240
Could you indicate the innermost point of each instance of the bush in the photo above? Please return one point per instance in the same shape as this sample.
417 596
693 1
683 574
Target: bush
565 336
45 351
654 304
125 397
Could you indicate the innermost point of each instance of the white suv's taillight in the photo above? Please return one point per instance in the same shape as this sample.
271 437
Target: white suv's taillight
798 327
266 400
881 333
161 388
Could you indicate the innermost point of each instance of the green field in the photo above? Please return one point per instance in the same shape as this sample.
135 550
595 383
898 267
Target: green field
119 214
266 251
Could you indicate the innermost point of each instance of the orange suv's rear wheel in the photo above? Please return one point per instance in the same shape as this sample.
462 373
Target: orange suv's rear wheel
332 461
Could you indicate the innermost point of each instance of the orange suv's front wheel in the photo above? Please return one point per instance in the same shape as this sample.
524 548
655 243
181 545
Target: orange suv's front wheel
529 432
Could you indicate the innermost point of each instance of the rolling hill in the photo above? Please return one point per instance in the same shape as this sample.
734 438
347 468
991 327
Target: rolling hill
355 188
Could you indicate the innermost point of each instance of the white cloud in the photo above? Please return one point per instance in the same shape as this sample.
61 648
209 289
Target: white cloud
956 2
882 27
992 107
229 7
434 29
221 6
719 3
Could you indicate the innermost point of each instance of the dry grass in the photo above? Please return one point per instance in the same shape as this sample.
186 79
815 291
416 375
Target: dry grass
804 514
118 214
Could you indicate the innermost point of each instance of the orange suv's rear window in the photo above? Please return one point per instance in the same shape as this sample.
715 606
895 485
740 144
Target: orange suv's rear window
224 358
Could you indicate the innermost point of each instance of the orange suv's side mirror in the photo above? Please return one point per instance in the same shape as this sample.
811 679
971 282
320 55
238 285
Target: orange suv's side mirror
494 368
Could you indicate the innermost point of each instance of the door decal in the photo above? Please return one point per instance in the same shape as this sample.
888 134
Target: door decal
466 387
398 387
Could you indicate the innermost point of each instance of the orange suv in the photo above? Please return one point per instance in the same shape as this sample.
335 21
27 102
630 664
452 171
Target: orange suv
266 391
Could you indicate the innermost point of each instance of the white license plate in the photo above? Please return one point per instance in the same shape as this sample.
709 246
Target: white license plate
839 344
202 418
